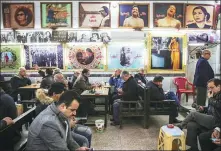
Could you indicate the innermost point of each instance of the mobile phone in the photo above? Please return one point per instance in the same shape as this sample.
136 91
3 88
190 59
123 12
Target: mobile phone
213 139
91 149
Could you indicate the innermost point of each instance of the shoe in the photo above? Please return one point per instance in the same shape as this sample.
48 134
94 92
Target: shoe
114 123
176 121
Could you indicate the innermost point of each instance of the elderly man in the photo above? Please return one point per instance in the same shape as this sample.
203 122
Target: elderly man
59 77
197 122
51 128
203 73
129 92
20 80
140 77
134 21
105 22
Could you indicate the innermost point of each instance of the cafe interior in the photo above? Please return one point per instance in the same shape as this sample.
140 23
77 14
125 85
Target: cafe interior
110 75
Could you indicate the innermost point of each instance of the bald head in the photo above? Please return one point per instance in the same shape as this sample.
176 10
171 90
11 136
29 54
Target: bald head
141 70
22 71
206 54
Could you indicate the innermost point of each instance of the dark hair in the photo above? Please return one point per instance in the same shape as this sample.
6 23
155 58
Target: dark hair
41 73
216 81
85 71
27 12
158 78
67 98
49 71
125 73
56 88
105 9
89 50
204 11
135 6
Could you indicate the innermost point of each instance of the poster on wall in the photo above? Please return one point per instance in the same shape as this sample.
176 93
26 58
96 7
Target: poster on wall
56 15
199 16
10 57
45 56
93 36
96 14
204 37
168 15
88 55
126 55
166 54
18 15
7 37
218 16
134 15
59 36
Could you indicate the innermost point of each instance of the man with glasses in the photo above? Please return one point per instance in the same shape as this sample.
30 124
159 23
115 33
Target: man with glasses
105 22
203 73
207 118
51 128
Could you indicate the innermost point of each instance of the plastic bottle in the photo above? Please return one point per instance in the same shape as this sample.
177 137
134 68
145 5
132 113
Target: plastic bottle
19 99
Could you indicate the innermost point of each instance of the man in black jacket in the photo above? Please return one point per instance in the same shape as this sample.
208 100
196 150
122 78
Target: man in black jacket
129 92
5 122
20 80
157 94
140 77
203 73
48 80
197 122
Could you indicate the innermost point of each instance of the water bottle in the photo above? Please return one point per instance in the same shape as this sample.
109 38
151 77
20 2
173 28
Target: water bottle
19 99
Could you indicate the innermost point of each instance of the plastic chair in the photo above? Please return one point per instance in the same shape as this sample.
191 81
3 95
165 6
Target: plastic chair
182 87
171 139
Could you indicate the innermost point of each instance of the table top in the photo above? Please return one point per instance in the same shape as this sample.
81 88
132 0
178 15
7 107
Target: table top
102 91
32 86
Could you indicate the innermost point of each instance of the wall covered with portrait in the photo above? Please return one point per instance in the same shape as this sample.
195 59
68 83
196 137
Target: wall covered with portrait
74 29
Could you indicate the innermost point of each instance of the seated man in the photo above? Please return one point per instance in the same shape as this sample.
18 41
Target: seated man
157 94
140 77
195 122
206 142
59 77
74 78
50 130
48 79
129 92
20 80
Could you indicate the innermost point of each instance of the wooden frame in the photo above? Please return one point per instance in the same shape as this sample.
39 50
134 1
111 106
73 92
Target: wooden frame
81 12
135 55
64 13
10 20
76 54
193 25
217 16
138 4
167 6
165 59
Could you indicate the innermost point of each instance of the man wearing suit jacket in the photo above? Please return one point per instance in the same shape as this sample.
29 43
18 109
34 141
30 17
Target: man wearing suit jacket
203 73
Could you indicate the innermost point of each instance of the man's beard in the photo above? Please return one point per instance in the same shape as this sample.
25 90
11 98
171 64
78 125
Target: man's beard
135 15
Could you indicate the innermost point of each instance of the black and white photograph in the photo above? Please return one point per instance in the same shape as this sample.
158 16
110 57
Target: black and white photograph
72 36
95 37
60 36
84 36
105 37
43 56
21 36
7 37
200 37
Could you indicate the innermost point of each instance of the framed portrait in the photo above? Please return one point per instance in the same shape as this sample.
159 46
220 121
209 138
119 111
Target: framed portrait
59 35
126 55
199 16
18 15
167 53
72 36
168 15
133 15
96 14
85 55
45 56
218 16
10 57
56 14
7 37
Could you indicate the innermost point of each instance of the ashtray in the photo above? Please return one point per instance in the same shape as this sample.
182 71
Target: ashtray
170 126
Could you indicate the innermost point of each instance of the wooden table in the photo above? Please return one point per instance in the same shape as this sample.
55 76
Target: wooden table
30 88
99 93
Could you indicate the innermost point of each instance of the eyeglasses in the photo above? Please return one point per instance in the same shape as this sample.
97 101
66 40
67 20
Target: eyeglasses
21 14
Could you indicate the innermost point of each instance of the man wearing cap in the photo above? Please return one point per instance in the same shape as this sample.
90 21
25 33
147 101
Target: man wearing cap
157 94
105 22
51 130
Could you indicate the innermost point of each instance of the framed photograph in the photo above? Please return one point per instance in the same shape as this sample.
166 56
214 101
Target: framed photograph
199 16
7 37
218 16
44 55
94 14
10 57
126 55
59 35
168 15
56 14
166 53
18 15
85 55
134 15
72 36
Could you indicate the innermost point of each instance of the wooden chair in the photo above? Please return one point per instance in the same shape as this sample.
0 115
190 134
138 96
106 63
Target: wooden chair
136 108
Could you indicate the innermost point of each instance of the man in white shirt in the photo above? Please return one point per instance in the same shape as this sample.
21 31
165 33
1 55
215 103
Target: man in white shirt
105 22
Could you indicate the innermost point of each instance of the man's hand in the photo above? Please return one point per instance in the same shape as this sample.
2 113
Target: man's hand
8 120
210 94
83 148
217 142
72 122
215 134
201 108
119 90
